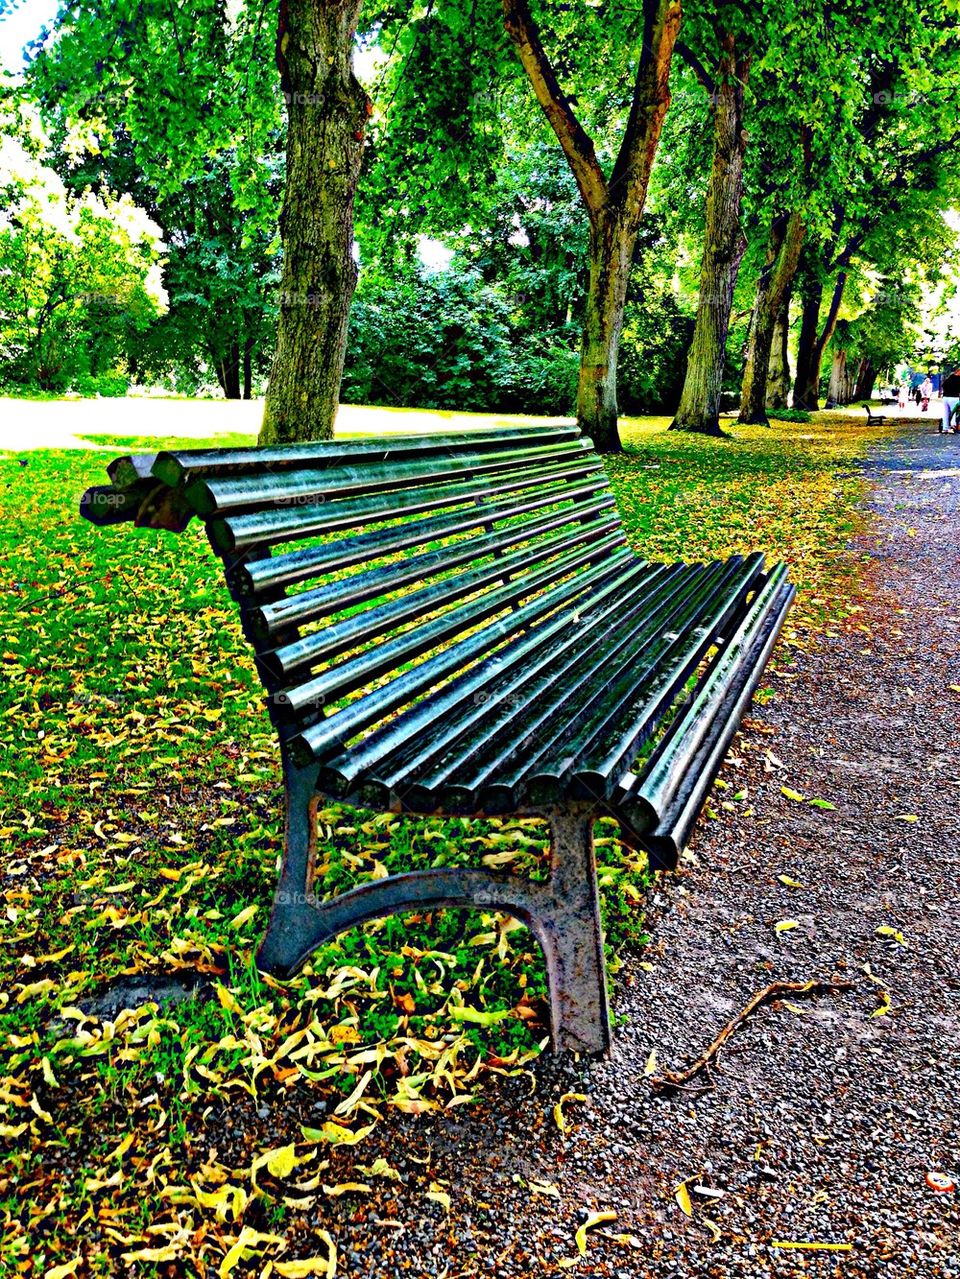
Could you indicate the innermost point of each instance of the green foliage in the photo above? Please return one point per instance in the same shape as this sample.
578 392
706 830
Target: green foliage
79 274
788 415
180 106
438 340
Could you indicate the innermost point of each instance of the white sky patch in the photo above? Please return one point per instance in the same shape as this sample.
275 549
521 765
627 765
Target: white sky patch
20 25
434 254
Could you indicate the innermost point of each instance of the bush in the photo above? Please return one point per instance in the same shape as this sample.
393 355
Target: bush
109 385
432 340
788 415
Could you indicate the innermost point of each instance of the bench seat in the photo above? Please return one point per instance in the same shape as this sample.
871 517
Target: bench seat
457 625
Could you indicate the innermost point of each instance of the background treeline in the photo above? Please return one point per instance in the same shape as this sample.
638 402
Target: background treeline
142 162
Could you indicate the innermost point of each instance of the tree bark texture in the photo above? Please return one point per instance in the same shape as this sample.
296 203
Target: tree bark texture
614 206
783 254
838 385
866 376
611 253
811 300
778 373
806 390
699 408
327 112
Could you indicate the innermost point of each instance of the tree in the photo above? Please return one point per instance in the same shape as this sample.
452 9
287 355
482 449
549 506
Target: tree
181 106
771 305
327 111
892 173
613 204
79 274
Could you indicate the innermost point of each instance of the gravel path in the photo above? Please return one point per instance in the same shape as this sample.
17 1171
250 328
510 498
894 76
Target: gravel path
823 1120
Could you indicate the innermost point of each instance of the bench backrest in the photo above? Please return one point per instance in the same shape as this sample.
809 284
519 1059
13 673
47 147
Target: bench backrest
369 572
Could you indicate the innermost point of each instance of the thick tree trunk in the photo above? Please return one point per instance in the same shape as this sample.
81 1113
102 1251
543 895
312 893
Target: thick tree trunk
778 373
783 254
806 393
326 113
699 408
866 376
837 388
811 301
611 251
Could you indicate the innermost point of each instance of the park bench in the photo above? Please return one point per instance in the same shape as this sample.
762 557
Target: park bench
456 624
874 419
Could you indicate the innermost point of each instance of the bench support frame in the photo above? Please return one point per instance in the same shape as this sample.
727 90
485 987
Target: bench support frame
562 913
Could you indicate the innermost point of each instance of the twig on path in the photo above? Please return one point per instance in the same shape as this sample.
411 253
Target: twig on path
676 1079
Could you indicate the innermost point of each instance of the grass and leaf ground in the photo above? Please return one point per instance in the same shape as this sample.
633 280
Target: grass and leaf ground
140 824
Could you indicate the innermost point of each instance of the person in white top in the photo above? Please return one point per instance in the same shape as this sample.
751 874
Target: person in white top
950 390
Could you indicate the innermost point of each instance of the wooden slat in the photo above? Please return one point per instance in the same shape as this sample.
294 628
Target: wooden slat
418 773
375 622
359 588
318 740
494 773
407 744
386 658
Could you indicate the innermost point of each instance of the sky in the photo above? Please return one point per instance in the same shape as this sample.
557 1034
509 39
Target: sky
20 23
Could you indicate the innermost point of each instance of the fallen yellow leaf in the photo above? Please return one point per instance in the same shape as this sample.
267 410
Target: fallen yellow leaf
311 1265
244 917
594 1219
558 1116
682 1196
336 1134
61 1272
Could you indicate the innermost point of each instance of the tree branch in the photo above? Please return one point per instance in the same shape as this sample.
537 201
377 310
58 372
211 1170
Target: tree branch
697 67
651 97
573 138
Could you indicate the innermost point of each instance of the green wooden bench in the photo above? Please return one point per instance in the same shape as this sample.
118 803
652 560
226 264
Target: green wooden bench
455 624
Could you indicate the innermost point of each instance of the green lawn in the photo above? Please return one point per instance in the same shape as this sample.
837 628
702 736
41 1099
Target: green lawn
141 822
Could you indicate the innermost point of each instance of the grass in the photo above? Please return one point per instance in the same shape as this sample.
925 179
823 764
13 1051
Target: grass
140 814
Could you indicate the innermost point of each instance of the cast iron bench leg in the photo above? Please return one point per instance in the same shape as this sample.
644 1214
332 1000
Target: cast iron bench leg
572 938
564 915
295 928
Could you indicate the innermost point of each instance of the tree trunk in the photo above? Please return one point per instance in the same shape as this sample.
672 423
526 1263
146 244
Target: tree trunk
866 376
248 369
699 408
611 251
778 373
806 394
326 114
783 254
807 375
229 372
614 206
837 389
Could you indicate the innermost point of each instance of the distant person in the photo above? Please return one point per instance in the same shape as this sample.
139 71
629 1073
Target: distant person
926 390
902 397
950 390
